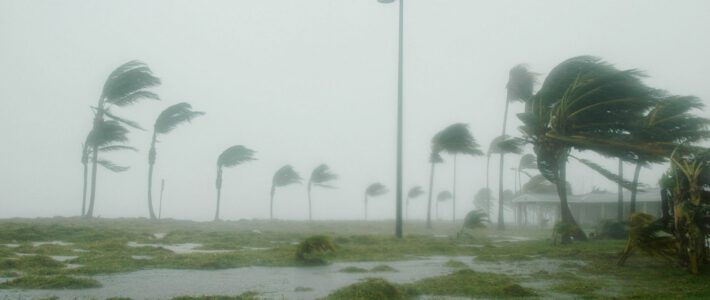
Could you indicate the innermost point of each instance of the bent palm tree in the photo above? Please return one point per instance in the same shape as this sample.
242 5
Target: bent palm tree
443 196
231 157
374 190
456 139
434 158
284 176
168 120
482 200
413 193
320 177
126 85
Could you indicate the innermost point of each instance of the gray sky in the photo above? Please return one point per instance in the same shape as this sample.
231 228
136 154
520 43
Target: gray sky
302 82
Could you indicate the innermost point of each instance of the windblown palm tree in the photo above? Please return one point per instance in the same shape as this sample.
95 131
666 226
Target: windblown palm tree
443 196
527 162
413 193
434 158
166 122
231 157
455 139
126 85
503 145
585 104
374 190
108 137
284 176
482 200
320 177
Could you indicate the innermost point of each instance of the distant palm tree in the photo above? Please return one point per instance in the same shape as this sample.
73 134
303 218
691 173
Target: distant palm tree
434 158
320 177
109 137
456 139
413 193
527 162
443 196
231 157
374 190
482 200
284 176
504 145
126 85
168 120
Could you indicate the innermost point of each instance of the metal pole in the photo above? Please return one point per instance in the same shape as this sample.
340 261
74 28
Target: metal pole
398 226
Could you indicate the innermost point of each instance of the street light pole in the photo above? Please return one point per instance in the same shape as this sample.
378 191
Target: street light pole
398 221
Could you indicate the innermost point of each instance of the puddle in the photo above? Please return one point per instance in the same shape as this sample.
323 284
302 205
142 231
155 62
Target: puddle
58 243
159 235
502 239
11 245
81 250
141 257
186 248
62 258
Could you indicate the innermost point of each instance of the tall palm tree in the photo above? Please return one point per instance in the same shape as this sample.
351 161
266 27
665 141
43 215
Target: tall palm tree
456 139
231 157
443 196
284 176
126 85
504 145
585 104
434 158
320 177
166 122
413 193
108 137
374 190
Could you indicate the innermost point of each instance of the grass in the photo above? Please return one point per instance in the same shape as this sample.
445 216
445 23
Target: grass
372 288
51 282
468 283
243 296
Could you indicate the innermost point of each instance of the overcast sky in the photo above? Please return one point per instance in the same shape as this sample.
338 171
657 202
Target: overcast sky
303 83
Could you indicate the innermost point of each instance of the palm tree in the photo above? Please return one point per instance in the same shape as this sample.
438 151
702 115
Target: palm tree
320 177
168 120
443 196
284 176
527 162
108 137
456 139
413 193
126 85
231 157
585 104
434 158
374 190
503 145
482 200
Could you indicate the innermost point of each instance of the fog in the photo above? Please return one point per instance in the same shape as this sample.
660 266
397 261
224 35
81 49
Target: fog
303 83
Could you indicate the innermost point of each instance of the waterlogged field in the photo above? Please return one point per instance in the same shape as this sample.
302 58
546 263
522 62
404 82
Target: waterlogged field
139 259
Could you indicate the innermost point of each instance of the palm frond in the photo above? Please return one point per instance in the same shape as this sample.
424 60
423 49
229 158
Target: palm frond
475 219
444 196
376 189
415 192
127 122
321 175
435 158
235 155
111 166
127 84
521 83
527 161
175 115
112 148
286 175
456 139
106 133
506 144
607 174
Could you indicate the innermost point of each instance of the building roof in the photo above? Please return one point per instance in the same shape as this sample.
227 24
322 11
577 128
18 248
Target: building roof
648 195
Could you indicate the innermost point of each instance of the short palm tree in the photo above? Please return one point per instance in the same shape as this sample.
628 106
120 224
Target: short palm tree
443 196
320 177
231 157
284 176
126 85
166 122
456 139
110 136
374 190
434 158
413 193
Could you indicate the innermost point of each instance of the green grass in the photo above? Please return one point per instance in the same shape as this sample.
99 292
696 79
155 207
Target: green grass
243 296
372 288
51 282
468 283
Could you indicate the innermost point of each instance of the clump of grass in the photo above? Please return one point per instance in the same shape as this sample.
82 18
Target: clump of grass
51 282
315 249
371 288
383 268
455 264
352 269
9 274
32 264
467 283
243 296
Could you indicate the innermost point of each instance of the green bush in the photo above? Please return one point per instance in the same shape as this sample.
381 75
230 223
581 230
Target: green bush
315 249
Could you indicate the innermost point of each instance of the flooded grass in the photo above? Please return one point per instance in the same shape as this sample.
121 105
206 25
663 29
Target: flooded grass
468 283
372 288
50 282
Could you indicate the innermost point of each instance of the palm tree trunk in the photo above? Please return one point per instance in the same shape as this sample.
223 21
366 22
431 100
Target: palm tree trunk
218 184
453 199
271 210
431 187
565 212
501 221
151 163
488 189
92 196
86 175
632 203
406 208
620 191
160 207
310 212
365 207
